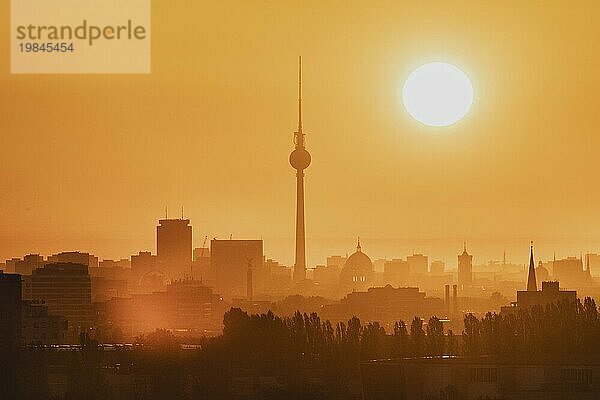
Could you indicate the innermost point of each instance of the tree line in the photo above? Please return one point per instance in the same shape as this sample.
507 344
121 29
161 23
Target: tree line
312 358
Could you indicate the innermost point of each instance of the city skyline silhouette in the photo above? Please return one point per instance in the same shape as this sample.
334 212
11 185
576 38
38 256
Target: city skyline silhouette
333 200
518 166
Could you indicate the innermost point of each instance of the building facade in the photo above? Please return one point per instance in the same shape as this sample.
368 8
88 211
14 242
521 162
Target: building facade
465 268
66 290
396 272
418 264
174 247
40 327
480 378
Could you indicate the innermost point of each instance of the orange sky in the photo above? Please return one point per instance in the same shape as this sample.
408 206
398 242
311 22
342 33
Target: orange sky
89 161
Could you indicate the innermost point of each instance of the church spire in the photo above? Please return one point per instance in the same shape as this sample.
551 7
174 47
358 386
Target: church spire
531 281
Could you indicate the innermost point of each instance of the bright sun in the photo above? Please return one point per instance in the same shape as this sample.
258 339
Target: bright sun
437 94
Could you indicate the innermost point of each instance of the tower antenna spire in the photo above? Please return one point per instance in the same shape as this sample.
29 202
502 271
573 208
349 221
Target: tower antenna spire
300 98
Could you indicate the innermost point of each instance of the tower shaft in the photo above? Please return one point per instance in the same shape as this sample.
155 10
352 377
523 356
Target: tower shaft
300 263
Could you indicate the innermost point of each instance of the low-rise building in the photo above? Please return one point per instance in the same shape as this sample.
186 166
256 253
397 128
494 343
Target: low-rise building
481 378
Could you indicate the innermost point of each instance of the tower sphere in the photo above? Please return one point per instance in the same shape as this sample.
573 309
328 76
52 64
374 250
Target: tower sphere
300 158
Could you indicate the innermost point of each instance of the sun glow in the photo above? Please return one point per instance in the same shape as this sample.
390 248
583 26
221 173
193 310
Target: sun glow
437 94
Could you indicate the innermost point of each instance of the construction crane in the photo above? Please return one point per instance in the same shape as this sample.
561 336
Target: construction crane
200 256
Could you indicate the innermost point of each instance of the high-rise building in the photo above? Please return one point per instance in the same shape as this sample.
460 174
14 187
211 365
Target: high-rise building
300 160
437 267
67 290
465 268
418 263
396 272
10 312
174 247
229 260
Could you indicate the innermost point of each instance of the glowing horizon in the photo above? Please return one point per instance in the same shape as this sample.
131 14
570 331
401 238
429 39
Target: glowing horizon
91 160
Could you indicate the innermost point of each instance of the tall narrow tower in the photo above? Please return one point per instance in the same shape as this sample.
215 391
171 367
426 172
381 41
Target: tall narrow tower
588 271
174 247
300 160
465 268
531 280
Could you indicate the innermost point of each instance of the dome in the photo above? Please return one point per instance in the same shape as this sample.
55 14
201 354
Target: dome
300 158
359 261
542 273
358 270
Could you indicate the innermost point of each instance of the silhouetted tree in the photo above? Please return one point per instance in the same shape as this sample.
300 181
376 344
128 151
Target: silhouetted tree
373 341
435 336
471 335
417 337
86 378
400 340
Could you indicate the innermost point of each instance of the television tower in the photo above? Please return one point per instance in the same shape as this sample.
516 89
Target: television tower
300 160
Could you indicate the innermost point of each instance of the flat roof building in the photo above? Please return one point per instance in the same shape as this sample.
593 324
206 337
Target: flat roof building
174 247
66 290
